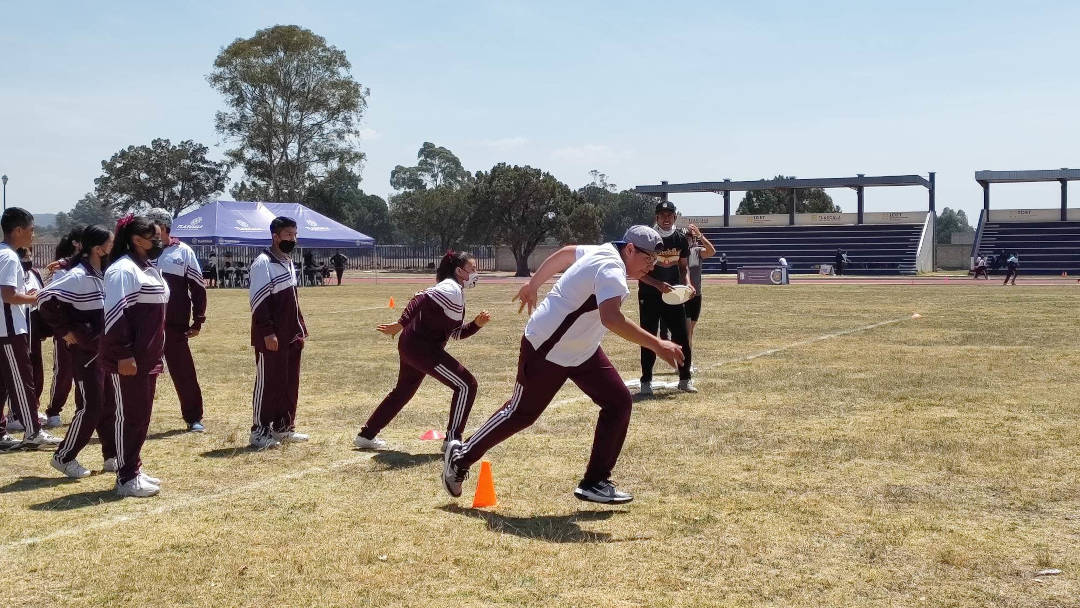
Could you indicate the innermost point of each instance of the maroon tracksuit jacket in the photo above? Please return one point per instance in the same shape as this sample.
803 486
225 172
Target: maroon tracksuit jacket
186 310
275 310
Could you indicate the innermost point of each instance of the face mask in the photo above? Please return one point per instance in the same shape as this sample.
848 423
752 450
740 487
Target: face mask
287 246
155 249
26 266
665 233
471 281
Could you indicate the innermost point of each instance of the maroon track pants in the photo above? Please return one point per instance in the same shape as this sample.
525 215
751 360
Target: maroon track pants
132 398
17 377
277 387
415 362
537 382
63 374
90 411
38 367
182 370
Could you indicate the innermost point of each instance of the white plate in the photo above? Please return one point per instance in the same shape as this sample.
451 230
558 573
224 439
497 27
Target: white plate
679 294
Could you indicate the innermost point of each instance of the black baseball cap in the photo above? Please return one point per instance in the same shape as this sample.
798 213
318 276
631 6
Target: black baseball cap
665 206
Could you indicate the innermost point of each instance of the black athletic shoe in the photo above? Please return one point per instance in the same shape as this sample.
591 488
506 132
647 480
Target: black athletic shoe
453 475
602 492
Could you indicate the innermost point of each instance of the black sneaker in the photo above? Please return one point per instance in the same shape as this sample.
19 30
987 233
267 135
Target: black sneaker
453 475
602 492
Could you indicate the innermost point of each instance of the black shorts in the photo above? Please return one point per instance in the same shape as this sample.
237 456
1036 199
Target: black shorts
693 308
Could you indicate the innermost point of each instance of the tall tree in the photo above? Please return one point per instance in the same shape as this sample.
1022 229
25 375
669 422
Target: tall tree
89 210
951 222
338 196
521 207
294 111
810 200
436 167
439 215
618 210
160 175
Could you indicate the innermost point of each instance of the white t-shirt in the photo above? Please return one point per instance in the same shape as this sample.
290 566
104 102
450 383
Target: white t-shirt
570 313
12 275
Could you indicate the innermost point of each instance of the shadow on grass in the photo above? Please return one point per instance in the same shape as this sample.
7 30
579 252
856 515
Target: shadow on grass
77 501
660 394
550 528
233 452
166 434
402 460
26 484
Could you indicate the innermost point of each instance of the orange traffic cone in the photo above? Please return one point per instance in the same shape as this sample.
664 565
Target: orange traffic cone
391 302
432 435
485 488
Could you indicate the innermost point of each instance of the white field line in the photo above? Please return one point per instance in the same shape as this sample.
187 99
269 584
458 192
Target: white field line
191 501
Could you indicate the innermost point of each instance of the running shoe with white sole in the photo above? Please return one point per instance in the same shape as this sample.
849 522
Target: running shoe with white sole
41 438
261 439
196 427
364 443
687 386
603 492
453 476
646 389
137 487
290 436
71 468
15 425
7 442
53 422
110 466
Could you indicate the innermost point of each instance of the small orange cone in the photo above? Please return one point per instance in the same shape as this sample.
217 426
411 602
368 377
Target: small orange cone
432 435
485 488
391 302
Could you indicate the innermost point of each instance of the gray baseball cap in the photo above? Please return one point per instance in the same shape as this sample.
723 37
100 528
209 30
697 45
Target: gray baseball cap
160 216
644 238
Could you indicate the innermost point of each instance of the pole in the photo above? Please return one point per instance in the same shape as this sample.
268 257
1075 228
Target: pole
794 203
860 197
727 205
1064 200
4 179
933 218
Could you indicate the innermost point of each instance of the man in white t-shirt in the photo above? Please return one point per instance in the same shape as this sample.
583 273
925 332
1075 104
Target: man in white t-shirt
562 342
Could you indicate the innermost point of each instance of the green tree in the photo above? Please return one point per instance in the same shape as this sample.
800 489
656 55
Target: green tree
160 175
951 222
339 197
294 111
808 200
618 210
436 167
521 207
89 210
439 215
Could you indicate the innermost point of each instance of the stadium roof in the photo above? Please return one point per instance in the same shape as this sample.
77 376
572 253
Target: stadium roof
769 184
1006 177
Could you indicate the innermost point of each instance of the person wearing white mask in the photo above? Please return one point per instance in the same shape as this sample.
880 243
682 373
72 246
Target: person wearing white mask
431 319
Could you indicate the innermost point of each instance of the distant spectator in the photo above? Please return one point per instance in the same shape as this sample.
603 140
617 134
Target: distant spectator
838 262
210 271
783 262
723 263
338 262
700 250
980 267
1012 265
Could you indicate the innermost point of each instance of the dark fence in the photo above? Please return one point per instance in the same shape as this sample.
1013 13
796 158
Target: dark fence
380 257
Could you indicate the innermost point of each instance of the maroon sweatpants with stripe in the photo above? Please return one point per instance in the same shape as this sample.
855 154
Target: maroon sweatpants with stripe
277 387
63 374
90 411
38 367
132 398
17 376
537 382
182 370
416 360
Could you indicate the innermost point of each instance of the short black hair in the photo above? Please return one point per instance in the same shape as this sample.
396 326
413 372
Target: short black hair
281 222
22 252
15 217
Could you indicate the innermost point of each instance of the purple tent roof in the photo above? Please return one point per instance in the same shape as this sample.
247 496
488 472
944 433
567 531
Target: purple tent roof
248 223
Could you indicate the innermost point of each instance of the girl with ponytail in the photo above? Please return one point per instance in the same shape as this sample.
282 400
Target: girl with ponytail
432 317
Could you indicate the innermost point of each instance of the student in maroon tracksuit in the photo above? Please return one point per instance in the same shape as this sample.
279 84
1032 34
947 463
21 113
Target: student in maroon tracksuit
73 306
37 333
132 345
63 374
562 342
432 317
16 372
183 318
277 334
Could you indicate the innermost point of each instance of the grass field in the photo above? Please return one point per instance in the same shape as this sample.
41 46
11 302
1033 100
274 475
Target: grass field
922 462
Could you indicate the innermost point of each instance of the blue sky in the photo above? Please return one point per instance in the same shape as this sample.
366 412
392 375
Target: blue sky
642 91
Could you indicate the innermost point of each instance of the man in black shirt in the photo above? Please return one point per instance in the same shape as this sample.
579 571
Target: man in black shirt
338 262
672 268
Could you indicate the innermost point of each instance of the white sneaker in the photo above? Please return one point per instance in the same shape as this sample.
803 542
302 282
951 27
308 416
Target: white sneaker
369 444
289 436
687 386
15 425
149 479
646 389
52 422
110 466
41 438
7 442
137 487
41 418
71 468
261 440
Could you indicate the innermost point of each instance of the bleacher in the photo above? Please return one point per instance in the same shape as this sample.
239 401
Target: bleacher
880 249
1043 247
